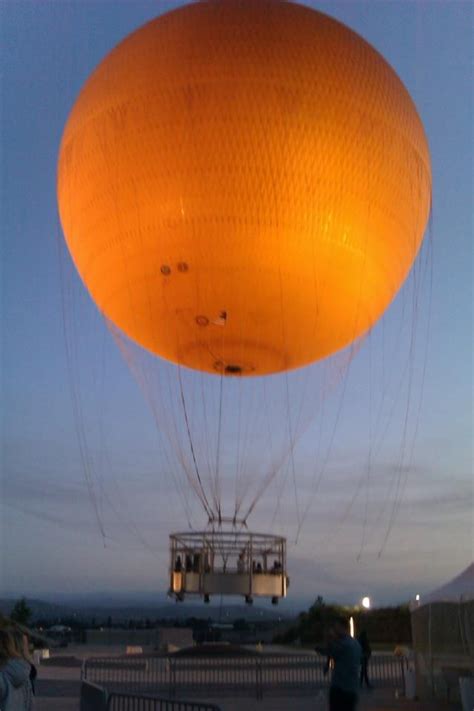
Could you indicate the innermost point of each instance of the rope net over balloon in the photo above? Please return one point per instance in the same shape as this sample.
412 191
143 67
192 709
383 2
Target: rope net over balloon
231 436
249 462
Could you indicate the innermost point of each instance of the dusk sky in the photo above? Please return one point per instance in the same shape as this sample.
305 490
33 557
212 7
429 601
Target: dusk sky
383 460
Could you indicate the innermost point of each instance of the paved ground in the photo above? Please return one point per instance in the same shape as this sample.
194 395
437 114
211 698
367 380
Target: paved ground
58 689
47 704
378 702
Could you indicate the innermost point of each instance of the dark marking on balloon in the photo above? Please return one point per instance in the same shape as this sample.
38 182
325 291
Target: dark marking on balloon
233 370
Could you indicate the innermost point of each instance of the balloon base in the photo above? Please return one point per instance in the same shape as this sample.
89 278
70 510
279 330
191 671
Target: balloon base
228 562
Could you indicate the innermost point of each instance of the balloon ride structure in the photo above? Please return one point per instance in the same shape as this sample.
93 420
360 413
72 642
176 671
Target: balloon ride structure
243 188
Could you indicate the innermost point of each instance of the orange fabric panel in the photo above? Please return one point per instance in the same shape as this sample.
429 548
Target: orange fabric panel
244 186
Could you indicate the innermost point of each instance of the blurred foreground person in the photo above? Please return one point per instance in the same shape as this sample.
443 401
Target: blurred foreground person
346 656
22 647
15 687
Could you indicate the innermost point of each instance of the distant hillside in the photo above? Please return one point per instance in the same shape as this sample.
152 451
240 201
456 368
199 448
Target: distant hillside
50 611
39 608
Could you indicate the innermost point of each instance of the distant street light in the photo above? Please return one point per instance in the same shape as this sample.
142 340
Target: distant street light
417 598
351 626
366 603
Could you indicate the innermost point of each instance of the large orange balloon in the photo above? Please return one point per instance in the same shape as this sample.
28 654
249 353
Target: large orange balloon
244 185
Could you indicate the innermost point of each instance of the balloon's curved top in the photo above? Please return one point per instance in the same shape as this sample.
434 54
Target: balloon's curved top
244 186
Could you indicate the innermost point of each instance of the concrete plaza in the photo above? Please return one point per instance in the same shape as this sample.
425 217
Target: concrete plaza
58 689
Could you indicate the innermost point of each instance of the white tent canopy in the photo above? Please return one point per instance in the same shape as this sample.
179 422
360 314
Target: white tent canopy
443 636
459 589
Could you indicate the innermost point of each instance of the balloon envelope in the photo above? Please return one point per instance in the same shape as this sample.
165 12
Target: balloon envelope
244 186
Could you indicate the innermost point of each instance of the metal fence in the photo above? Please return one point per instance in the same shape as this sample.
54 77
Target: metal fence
135 702
93 697
258 676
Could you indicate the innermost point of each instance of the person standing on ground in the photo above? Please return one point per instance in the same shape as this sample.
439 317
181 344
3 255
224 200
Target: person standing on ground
15 687
346 655
366 654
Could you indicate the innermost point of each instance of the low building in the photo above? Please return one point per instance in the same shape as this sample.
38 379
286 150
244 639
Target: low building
156 639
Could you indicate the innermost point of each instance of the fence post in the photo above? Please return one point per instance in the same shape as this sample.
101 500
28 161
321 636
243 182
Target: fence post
402 663
93 697
172 677
258 678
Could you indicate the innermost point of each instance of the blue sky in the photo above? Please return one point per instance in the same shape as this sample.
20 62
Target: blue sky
50 535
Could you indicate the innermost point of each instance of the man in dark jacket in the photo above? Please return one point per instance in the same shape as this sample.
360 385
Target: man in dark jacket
346 655
366 654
